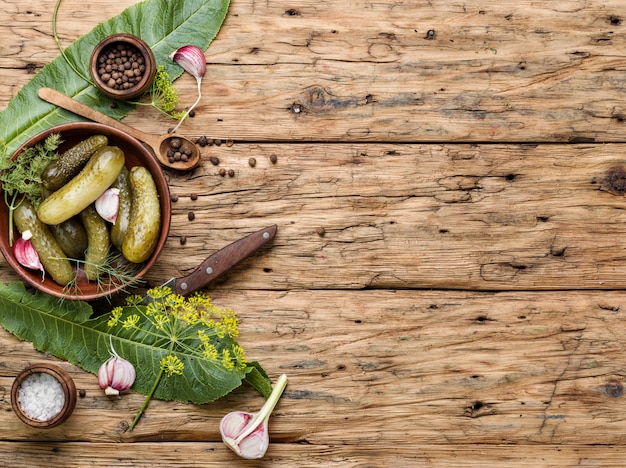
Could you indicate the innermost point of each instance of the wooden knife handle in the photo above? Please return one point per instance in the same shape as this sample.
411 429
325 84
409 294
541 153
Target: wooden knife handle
223 260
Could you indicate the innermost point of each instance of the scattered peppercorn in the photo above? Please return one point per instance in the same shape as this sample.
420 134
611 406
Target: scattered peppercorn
174 198
320 231
202 141
192 113
82 393
229 143
273 158
231 173
215 160
194 196
252 162
218 142
121 66
183 240
222 172
191 216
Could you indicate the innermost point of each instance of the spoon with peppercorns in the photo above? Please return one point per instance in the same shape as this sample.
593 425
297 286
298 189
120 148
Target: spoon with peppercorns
172 150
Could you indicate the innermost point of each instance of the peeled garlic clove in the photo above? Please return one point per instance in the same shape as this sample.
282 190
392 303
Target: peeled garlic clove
26 254
108 204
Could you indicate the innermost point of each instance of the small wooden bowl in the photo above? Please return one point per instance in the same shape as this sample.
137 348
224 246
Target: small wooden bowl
138 88
67 385
136 154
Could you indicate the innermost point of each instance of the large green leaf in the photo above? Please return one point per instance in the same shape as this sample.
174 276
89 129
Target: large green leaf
65 330
165 25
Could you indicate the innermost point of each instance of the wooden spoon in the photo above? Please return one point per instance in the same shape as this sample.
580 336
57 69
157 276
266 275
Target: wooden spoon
158 144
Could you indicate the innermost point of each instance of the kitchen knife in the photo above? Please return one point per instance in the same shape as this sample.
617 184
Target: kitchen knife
220 262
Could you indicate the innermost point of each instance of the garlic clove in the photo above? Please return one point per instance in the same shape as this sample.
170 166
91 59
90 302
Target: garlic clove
26 254
234 423
108 203
116 375
247 434
192 59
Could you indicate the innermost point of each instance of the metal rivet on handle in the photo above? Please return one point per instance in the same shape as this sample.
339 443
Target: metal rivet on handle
266 235
209 271
183 286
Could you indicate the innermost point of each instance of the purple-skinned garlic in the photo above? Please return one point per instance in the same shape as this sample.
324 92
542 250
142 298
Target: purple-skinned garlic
26 254
116 375
193 61
108 204
247 434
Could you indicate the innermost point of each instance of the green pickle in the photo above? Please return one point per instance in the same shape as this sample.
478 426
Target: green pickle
145 217
98 242
50 253
120 227
60 171
71 236
97 175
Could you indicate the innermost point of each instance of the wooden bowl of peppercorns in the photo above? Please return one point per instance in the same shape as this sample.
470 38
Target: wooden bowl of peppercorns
122 66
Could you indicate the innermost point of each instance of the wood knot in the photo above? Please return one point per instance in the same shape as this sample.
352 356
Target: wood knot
613 389
614 180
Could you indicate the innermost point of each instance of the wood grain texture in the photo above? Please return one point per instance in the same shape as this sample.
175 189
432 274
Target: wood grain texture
386 71
446 287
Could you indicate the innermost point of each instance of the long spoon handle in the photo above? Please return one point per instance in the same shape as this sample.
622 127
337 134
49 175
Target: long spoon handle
55 97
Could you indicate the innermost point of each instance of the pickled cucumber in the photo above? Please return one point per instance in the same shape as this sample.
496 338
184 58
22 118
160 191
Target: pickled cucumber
145 217
50 253
66 166
71 236
97 175
120 227
98 242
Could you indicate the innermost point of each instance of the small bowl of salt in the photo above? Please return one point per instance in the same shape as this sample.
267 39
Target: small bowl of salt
43 395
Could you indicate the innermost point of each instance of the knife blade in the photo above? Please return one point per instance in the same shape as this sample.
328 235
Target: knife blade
220 262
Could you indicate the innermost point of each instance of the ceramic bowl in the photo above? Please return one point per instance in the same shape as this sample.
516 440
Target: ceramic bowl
127 41
136 154
20 395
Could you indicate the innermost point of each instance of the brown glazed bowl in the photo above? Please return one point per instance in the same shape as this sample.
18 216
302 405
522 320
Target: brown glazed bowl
136 154
67 386
125 40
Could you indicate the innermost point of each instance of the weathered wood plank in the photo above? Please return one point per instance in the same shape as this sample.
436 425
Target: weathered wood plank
407 216
393 368
210 454
362 71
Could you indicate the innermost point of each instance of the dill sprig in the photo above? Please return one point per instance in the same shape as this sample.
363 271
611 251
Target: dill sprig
115 272
21 176
163 95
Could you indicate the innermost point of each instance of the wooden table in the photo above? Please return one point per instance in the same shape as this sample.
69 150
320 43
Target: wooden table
447 286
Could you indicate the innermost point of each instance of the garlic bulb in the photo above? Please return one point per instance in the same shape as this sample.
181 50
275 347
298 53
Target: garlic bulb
246 434
116 375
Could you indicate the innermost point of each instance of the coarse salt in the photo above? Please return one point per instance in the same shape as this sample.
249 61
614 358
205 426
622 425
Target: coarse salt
41 396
